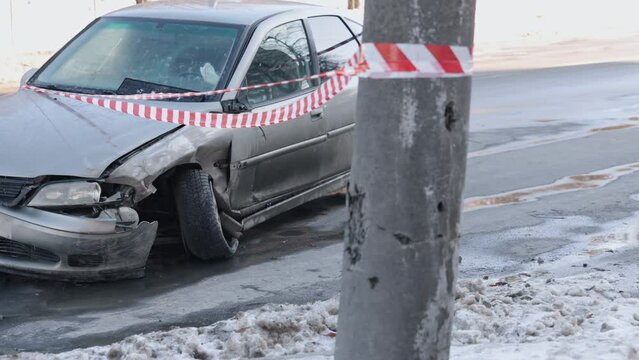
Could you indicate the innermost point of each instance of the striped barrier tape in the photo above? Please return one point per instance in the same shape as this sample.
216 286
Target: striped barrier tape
386 60
379 60
164 96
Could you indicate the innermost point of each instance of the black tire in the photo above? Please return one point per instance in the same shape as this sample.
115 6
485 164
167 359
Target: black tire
198 215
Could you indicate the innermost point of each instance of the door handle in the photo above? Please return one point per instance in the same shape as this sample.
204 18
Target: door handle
317 114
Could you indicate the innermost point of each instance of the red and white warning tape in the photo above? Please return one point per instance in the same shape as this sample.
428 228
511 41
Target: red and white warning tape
314 100
386 60
378 61
164 96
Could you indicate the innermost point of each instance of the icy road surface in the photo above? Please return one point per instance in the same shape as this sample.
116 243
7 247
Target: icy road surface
551 178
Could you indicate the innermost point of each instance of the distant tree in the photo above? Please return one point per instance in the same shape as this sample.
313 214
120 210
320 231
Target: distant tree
353 4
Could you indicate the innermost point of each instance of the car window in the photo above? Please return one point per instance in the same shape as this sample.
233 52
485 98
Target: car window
284 54
355 27
335 44
135 55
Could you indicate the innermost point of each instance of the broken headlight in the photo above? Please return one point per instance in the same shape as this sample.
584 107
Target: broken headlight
77 193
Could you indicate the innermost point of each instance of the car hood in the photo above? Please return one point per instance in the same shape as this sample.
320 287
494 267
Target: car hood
45 135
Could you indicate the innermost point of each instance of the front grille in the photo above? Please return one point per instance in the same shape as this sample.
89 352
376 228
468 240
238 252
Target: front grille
12 189
85 260
20 251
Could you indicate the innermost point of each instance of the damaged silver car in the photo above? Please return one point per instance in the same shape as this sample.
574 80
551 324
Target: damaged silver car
85 192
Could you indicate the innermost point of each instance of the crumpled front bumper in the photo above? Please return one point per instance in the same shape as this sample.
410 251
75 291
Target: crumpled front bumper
49 245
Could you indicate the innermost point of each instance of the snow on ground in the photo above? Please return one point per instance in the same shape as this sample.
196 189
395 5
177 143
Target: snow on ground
270 331
537 316
591 315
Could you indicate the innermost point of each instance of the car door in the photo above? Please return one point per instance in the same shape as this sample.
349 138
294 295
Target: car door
274 160
335 44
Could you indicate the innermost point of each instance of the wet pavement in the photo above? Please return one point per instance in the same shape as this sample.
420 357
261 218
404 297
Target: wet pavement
313 225
552 176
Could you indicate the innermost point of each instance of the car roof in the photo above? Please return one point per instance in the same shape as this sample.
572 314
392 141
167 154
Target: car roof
239 12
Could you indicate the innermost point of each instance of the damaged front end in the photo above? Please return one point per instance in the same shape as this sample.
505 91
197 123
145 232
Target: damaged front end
72 229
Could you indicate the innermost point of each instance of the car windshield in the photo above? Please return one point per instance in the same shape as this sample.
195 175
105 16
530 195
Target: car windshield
133 56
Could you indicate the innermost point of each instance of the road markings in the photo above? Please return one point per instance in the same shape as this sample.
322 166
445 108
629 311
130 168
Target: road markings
538 141
572 183
612 128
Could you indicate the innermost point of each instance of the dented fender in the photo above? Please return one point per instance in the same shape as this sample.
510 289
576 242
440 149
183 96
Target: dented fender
207 148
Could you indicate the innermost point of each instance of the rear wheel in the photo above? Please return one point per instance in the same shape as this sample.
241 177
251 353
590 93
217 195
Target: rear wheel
199 218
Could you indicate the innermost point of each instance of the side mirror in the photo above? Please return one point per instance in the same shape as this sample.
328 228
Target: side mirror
27 75
242 97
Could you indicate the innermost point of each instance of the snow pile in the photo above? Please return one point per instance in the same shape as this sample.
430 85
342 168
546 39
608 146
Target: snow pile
587 316
283 331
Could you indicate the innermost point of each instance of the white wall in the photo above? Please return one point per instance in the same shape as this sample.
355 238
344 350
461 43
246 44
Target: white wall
46 25
5 26
31 30
543 21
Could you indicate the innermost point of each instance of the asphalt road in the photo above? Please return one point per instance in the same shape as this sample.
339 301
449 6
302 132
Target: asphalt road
552 171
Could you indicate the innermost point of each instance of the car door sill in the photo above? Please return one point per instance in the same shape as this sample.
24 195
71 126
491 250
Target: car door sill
323 189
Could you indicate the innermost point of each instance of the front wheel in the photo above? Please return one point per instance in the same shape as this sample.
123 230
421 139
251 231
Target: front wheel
199 218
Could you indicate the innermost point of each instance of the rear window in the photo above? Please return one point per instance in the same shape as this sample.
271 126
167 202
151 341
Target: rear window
355 27
334 42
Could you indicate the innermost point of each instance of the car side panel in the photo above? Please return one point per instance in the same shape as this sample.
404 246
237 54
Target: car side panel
340 124
340 111
260 170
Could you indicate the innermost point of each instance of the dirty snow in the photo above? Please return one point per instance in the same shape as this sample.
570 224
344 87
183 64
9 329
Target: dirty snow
586 316
591 315
270 331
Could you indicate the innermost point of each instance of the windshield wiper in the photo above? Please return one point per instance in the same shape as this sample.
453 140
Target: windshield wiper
106 92
135 86
128 87
58 87
75 89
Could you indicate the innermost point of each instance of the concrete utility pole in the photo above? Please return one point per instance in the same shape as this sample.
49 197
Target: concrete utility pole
405 195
